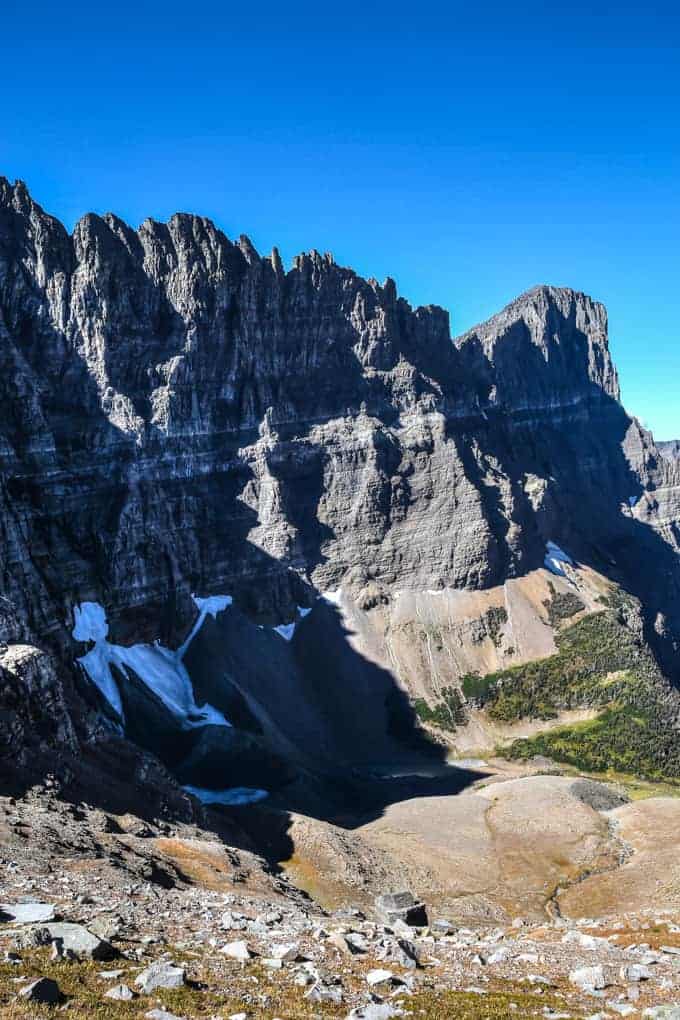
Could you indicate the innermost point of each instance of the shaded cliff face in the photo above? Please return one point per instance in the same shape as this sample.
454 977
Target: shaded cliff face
179 414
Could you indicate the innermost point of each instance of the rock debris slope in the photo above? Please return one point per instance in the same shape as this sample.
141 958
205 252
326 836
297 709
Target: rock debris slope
181 415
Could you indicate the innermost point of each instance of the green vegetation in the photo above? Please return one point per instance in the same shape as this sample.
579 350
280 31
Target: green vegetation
447 713
602 663
561 606
215 989
221 989
495 619
620 738
508 1004
598 661
478 688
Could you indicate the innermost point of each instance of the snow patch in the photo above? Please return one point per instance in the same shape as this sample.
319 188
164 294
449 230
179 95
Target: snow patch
210 606
96 665
286 630
159 668
213 605
235 796
555 558
333 597
90 622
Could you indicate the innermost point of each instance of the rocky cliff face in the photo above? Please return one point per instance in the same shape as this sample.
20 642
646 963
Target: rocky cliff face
670 448
179 414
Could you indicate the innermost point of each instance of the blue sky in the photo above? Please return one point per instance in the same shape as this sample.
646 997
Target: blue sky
469 151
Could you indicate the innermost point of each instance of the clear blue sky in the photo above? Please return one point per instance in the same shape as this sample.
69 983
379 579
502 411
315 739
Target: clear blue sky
468 150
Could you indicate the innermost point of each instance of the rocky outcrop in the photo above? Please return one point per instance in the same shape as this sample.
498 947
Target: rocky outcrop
179 414
669 448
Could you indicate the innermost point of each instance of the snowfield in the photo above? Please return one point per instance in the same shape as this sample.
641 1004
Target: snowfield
161 669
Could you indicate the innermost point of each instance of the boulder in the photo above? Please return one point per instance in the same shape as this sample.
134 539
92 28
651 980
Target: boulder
401 906
32 938
161 974
237 951
405 954
588 979
375 1011
44 990
634 972
379 977
76 939
287 953
26 913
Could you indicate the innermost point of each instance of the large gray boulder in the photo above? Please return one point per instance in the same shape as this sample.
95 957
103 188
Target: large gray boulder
161 974
401 906
76 939
26 913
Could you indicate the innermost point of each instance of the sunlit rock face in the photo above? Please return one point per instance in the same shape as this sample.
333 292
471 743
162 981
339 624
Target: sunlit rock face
180 415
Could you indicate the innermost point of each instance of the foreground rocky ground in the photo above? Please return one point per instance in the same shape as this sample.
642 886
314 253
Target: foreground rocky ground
116 917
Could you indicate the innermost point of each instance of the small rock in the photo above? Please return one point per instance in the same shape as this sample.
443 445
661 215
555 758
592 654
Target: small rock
588 978
499 955
323 992
121 993
585 941
44 990
635 972
374 1011
237 951
379 977
162 1014
287 953
341 943
400 928
233 922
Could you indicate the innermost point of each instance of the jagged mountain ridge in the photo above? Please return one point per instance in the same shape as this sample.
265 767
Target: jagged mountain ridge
179 414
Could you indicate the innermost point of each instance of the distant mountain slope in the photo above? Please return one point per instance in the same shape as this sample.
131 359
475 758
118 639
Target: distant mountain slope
180 415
